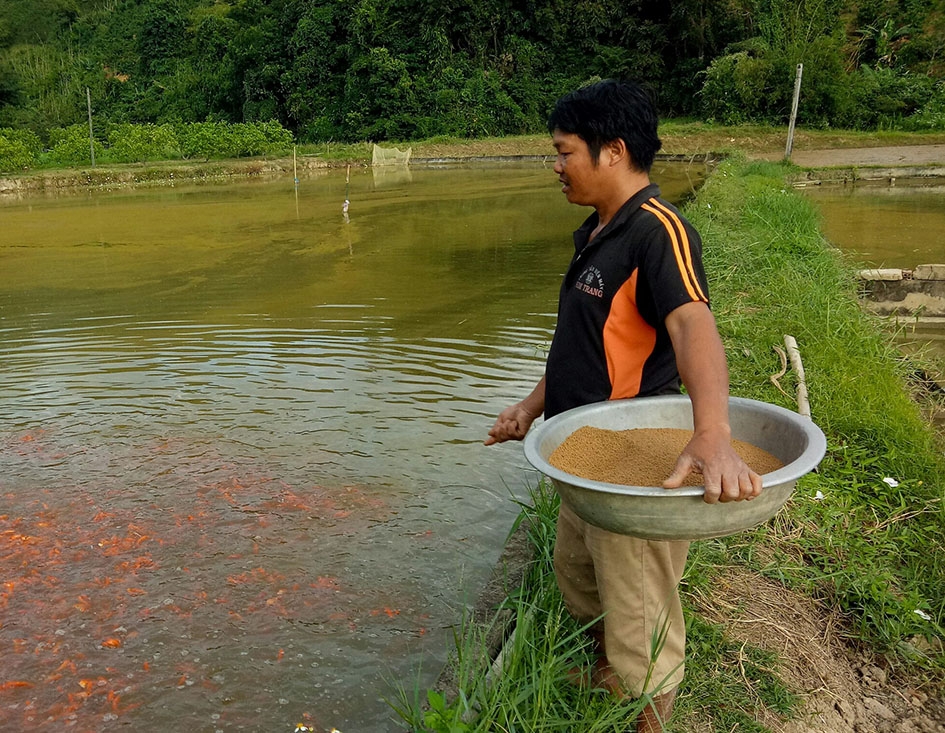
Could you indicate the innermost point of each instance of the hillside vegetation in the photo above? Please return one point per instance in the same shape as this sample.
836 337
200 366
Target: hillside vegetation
412 69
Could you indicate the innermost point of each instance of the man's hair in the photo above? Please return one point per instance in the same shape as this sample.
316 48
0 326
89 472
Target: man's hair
605 111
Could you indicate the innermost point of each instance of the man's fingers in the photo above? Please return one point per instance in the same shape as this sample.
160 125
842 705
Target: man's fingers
754 485
744 486
504 430
713 489
682 469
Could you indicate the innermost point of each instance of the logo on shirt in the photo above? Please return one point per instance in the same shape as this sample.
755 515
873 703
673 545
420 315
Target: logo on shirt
591 282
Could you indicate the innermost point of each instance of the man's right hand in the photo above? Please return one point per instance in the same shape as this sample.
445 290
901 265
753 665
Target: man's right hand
512 424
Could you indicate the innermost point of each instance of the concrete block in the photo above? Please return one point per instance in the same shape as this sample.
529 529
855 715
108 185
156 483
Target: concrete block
887 274
929 272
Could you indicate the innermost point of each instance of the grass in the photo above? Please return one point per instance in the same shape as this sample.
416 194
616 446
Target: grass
863 535
689 136
535 692
873 545
686 137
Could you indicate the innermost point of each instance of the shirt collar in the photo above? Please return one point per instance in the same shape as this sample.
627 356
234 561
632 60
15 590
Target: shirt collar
582 235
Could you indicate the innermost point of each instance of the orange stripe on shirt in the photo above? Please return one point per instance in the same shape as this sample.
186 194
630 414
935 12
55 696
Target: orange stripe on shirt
681 249
628 341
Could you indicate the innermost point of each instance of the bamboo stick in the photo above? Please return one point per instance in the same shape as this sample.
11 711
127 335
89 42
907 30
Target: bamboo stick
794 354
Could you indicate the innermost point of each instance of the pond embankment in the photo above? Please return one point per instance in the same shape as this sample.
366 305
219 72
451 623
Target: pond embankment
155 174
899 292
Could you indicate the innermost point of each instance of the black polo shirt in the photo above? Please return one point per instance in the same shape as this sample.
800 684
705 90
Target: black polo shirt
611 340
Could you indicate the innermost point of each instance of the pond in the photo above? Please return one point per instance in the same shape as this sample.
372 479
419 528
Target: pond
897 226
241 454
880 225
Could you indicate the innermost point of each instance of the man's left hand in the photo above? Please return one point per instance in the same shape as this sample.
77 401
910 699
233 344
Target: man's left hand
724 473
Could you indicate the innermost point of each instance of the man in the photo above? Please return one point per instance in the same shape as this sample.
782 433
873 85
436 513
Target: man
633 318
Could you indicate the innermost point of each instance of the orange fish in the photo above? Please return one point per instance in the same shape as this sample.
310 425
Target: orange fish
11 684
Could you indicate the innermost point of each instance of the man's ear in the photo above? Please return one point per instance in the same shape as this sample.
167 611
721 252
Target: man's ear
618 153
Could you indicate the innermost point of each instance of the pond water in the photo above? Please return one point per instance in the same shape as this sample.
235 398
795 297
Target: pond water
897 226
881 225
241 465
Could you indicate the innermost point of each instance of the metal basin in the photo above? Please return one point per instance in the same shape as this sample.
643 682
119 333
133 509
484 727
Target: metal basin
656 513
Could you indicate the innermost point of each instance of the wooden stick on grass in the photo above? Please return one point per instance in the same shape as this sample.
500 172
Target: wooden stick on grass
775 378
803 405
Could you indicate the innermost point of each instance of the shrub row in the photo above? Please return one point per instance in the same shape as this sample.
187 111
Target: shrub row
19 149
136 143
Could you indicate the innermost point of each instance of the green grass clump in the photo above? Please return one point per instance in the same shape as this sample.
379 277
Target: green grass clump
535 691
867 532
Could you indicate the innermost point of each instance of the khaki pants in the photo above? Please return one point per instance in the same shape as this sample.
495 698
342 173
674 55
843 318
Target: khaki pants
633 583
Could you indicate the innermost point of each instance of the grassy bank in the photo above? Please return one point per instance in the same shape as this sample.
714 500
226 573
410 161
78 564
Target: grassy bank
680 137
863 536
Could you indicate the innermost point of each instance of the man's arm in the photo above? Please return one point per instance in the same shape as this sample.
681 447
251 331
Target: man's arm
513 422
700 359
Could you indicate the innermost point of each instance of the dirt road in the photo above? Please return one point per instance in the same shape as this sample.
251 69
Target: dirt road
901 155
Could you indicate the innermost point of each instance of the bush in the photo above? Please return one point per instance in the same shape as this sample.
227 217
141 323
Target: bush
70 145
885 97
932 114
755 83
278 139
222 140
19 149
259 138
137 143
723 97
204 140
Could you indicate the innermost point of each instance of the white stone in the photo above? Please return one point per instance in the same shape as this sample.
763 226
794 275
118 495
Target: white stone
929 272
888 274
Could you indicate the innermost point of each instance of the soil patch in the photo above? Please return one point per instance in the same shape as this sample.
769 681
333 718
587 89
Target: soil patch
889 156
843 690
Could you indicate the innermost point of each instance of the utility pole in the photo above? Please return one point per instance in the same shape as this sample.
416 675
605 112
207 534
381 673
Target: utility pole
88 99
797 97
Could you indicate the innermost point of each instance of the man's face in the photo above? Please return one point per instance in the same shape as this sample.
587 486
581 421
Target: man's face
576 169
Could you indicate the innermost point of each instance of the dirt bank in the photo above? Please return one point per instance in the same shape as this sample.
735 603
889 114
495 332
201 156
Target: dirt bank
888 156
843 689
813 151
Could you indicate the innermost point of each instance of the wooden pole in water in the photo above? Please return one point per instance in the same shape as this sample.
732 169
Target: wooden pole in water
88 99
797 97
344 207
295 167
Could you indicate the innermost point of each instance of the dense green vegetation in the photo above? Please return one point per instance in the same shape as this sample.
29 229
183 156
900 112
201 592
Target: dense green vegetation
137 143
864 534
412 69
